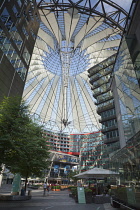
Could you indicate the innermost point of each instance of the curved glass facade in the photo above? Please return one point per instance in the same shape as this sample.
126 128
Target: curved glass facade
128 90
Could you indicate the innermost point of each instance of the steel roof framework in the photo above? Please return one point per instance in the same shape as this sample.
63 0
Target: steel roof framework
73 37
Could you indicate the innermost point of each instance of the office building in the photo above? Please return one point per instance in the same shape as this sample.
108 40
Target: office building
19 25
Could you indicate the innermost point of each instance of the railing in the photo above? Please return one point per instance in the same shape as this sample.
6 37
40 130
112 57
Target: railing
103 108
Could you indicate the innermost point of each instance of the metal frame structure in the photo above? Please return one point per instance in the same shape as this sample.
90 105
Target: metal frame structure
115 18
73 37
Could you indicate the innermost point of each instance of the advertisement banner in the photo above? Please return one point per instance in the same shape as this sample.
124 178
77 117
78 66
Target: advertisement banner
67 169
74 168
56 169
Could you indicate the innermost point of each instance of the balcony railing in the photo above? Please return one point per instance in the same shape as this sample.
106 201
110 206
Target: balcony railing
107 118
114 127
111 140
104 99
104 108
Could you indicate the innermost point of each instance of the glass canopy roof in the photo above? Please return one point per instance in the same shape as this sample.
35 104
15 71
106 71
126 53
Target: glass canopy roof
73 37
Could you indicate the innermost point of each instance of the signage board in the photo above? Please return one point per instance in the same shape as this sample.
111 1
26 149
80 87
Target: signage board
130 196
81 195
16 183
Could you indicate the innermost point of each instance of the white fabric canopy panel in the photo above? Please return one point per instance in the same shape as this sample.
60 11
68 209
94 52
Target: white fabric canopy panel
50 21
102 46
97 37
57 86
92 24
70 23
46 37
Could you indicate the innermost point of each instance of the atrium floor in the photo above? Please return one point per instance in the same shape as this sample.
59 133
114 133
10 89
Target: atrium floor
53 201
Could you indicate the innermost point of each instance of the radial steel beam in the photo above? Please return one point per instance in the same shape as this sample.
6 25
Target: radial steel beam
89 10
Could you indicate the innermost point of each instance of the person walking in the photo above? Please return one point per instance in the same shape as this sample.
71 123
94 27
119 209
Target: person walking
48 188
44 188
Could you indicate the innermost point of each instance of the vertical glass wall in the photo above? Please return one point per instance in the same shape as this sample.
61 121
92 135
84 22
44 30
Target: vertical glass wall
91 151
16 38
137 67
127 163
128 90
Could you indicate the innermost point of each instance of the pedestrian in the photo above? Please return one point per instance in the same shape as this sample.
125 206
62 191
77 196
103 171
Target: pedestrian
44 187
48 188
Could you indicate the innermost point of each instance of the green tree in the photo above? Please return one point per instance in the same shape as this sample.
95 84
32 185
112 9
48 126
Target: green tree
24 149
10 124
71 176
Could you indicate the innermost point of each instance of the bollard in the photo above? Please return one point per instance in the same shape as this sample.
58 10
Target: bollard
29 192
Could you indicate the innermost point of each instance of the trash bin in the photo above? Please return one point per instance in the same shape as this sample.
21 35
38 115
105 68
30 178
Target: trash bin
29 192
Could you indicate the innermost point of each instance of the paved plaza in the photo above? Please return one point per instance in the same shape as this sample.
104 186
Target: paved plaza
53 201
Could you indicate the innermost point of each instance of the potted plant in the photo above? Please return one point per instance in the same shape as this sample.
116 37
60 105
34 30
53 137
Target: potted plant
74 193
53 188
57 188
69 188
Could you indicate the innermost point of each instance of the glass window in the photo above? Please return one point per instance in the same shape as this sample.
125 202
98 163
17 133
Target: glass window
25 32
15 10
26 55
33 34
19 3
17 39
4 16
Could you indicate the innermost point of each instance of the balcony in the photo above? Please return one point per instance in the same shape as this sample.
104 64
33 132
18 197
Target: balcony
111 140
101 92
107 118
99 85
94 70
105 108
104 100
96 77
111 128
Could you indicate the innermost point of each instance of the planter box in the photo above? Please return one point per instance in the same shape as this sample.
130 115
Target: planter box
101 199
14 198
89 198
57 189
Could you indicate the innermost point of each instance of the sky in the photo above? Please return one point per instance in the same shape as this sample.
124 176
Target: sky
123 3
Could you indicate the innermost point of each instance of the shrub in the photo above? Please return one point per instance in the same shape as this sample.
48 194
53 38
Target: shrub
87 190
58 187
121 194
74 190
70 187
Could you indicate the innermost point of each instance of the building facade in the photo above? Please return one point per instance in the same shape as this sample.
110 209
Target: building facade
19 25
126 89
60 167
88 147
100 84
91 150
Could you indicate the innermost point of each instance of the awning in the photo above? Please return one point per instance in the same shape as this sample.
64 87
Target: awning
96 173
